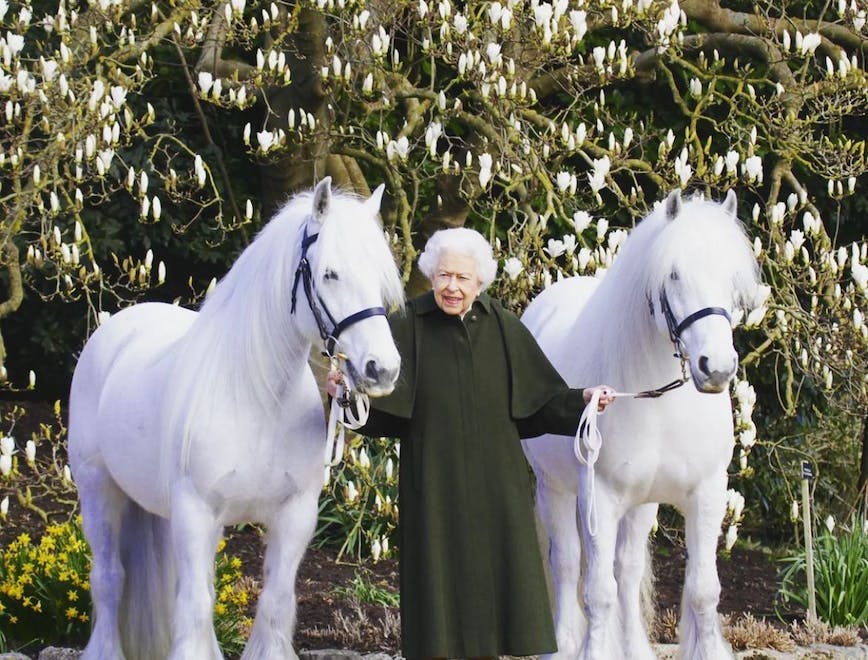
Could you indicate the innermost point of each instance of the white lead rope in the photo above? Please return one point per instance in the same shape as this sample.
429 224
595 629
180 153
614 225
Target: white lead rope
342 416
586 447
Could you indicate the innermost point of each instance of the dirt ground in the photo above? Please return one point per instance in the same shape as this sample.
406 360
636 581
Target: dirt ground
329 619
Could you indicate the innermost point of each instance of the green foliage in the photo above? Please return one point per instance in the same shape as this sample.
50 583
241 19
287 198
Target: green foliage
45 592
840 574
232 602
359 507
364 590
44 588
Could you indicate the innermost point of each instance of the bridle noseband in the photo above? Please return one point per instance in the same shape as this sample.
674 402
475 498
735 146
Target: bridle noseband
318 307
675 331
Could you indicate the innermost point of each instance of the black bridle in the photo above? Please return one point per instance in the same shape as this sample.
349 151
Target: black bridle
318 307
675 330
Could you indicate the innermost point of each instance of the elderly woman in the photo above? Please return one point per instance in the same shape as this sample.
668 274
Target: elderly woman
473 381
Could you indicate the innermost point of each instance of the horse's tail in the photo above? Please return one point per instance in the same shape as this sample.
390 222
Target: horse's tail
149 585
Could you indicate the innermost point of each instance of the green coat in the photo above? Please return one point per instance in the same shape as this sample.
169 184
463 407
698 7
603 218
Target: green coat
472 579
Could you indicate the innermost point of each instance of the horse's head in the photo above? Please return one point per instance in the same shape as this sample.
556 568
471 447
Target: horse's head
348 281
707 270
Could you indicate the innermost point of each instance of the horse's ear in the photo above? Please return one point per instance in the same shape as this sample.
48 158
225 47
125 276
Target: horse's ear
373 202
730 204
322 198
673 204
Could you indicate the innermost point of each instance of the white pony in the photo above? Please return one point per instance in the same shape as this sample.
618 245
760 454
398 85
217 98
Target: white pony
680 273
184 422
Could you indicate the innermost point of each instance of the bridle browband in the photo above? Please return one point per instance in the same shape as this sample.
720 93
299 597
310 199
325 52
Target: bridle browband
318 307
675 331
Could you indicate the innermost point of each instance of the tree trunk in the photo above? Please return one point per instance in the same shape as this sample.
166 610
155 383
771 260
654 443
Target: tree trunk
304 164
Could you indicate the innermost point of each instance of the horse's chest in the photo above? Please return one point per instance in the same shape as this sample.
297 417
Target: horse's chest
260 471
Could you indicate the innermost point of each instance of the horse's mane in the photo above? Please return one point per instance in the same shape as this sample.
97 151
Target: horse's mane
704 244
244 348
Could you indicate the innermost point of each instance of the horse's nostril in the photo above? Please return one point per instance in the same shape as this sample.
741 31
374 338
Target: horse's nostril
372 371
703 365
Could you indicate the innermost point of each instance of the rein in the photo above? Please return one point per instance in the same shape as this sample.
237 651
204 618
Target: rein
341 413
588 439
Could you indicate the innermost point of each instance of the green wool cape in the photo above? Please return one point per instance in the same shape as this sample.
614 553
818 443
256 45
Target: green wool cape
472 579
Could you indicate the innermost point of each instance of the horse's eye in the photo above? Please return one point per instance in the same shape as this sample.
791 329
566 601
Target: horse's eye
330 275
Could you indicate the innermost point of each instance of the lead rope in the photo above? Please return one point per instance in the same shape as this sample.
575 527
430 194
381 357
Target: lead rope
342 416
588 440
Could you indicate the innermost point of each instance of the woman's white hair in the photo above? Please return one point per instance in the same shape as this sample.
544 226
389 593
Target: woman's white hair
459 240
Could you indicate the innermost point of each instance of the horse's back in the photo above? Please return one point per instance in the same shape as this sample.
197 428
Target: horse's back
112 386
553 313
551 317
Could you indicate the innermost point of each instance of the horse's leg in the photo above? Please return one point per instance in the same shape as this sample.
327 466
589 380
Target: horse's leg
700 633
195 533
289 532
557 510
602 640
631 570
102 508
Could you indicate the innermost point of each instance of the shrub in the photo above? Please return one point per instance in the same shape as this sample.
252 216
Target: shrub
44 588
840 575
359 506
45 592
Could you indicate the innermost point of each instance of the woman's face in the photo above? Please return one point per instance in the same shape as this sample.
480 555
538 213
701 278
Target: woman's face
456 283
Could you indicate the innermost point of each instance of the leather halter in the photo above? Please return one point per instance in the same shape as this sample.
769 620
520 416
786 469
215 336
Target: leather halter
675 331
318 307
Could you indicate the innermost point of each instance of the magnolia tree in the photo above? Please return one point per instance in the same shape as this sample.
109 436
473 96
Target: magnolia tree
551 127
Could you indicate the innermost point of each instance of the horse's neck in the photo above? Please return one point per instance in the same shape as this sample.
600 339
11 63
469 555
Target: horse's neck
627 348
248 353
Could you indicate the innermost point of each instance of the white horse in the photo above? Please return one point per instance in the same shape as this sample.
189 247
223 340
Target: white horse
184 422
680 273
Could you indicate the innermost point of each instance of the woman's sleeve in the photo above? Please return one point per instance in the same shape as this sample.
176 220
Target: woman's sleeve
559 415
541 402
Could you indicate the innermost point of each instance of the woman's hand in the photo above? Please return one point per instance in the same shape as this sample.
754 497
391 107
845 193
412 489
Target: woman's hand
333 379
607 396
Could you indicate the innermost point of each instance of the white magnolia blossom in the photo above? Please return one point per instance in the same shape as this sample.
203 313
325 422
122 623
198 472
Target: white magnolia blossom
752 168
731 536
565 180
731 160
734 503
513 267
747 437
432 135
554 248
602 228
7 445
579 23
399 148
682 168
205 80
5 464
30 451
830 523
581 221
597 178
485 163
4 507
809 42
